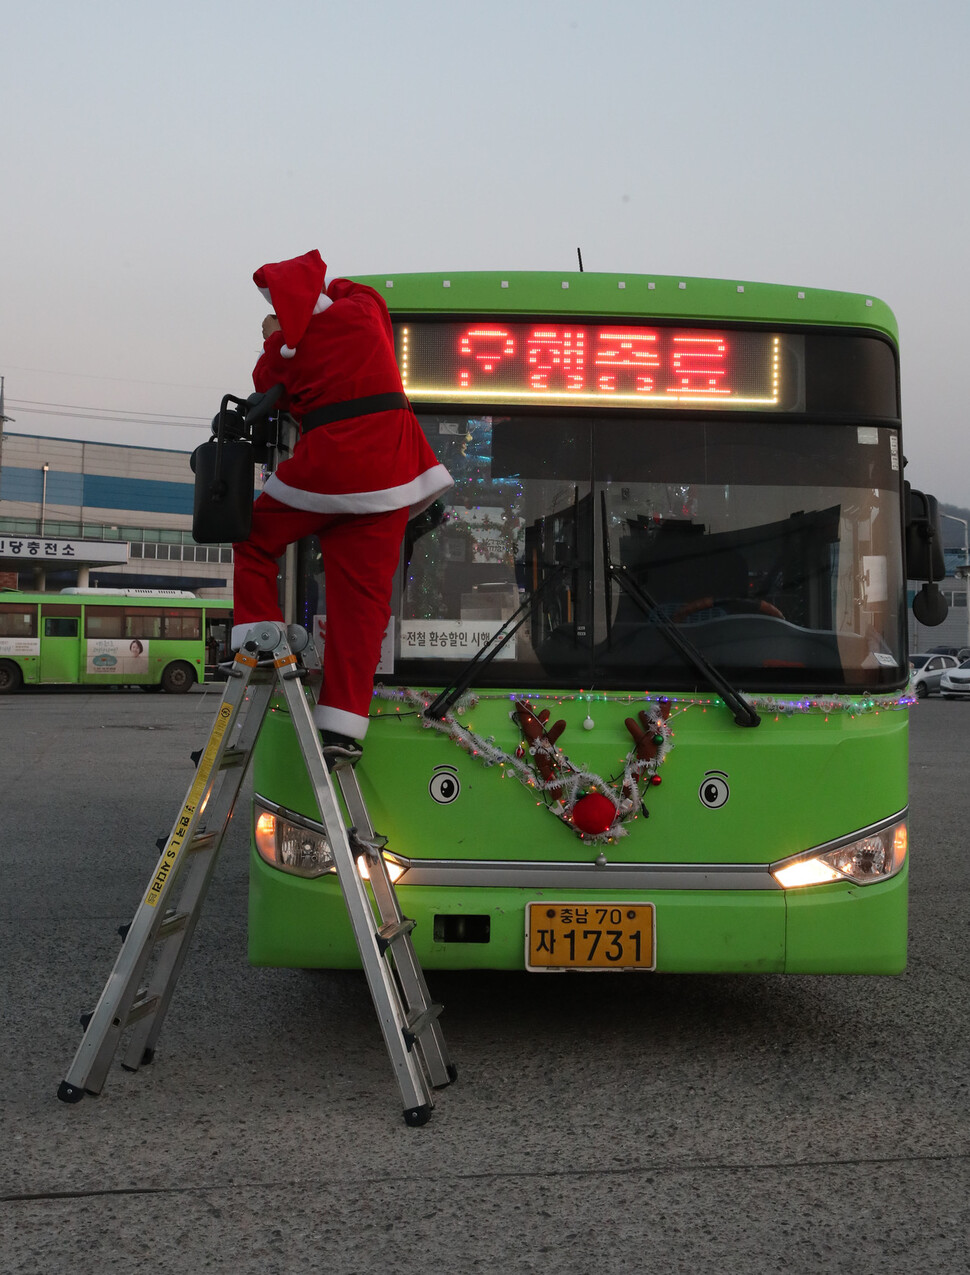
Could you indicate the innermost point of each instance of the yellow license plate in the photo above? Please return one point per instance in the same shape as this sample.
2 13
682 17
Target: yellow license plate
590 936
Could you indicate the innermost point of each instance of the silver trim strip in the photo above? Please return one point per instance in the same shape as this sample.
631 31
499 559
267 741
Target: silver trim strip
588 876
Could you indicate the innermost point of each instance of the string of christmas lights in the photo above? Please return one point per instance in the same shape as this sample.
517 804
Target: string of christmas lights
855 705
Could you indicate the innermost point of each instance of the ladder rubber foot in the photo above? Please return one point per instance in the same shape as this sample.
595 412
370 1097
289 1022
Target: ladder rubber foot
70 1093
417 1116
146 1060
452 1073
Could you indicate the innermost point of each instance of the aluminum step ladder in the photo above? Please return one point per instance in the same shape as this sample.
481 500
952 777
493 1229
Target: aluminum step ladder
156 943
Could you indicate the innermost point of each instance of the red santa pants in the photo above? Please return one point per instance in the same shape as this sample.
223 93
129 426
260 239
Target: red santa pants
360 556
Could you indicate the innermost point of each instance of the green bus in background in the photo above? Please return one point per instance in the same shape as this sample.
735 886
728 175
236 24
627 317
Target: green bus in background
643 697
110 637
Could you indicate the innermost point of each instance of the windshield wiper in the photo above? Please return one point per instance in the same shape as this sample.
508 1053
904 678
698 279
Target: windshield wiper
744 713
440 706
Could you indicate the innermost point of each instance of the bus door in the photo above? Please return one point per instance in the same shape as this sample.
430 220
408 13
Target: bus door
60 645
218 627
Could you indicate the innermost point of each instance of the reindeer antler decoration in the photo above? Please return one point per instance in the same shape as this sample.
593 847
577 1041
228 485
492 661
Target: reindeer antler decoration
543 743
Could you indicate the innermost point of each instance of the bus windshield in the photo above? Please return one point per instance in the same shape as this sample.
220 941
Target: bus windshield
773 547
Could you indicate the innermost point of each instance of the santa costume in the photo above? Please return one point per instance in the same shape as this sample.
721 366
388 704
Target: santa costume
361 468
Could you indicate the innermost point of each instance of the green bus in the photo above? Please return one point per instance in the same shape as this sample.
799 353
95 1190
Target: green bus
643 698
111 637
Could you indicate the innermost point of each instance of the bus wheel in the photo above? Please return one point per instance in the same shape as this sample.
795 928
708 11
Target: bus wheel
178 678
11 678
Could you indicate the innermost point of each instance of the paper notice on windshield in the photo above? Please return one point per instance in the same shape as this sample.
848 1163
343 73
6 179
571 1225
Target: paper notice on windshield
450 639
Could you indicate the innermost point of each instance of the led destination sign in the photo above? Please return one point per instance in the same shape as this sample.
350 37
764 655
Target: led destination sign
491 361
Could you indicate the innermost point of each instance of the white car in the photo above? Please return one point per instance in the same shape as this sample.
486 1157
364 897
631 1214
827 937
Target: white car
955 683
928 671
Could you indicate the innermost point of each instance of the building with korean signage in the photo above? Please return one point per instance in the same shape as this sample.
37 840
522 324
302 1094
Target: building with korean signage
102 515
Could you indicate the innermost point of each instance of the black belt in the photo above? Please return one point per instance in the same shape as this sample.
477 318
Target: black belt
353 407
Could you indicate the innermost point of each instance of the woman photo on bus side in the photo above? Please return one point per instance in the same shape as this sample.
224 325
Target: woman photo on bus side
361 468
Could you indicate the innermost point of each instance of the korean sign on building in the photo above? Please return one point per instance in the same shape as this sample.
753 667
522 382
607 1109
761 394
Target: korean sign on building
43 549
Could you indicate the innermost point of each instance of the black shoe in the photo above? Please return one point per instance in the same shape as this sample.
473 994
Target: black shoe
339 748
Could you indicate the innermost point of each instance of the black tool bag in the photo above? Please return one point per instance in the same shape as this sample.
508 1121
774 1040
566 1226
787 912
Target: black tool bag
244 434
224 491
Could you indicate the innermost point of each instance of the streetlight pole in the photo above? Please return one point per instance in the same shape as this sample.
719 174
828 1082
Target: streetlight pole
965 571
43 494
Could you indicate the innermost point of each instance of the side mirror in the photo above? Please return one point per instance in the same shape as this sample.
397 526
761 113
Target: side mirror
924 556
929 606
924 538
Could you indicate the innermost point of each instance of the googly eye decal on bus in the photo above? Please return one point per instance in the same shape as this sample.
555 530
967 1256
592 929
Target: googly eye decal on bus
714 791
445 785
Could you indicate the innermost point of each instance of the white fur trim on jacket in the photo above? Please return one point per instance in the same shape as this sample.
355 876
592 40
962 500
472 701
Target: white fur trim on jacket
415 496
340 721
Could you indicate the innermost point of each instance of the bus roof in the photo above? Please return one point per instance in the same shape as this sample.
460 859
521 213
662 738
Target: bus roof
615 295
175 597
131 593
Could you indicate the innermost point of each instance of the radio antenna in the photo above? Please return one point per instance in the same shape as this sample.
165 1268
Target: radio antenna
579 254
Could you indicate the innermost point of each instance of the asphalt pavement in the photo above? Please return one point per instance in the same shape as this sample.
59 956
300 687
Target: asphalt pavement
640 1123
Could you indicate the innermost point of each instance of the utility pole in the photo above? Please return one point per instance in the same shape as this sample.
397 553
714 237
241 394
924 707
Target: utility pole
3 420
2 417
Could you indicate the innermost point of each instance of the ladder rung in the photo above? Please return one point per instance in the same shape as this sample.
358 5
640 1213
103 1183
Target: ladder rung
143 1005
418 1023
124 929
173 924
371 849
233 757
201 841
392 931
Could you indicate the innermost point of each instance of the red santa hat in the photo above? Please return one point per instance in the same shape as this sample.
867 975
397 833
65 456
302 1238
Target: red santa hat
297 290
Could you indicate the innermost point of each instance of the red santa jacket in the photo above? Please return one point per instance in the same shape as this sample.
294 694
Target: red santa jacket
363 463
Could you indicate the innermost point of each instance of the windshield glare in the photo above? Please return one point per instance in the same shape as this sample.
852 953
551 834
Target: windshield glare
774 548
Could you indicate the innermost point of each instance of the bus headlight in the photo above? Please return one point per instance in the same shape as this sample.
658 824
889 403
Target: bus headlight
300 848
874 855
291 843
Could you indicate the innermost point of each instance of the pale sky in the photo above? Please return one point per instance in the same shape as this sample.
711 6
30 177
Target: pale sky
153 156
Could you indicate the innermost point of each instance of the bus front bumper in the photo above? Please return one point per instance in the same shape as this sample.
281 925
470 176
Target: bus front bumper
700 926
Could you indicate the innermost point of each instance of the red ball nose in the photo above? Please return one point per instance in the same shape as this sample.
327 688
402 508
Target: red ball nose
593 813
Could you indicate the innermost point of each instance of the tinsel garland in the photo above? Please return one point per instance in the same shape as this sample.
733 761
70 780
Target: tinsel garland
569 783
